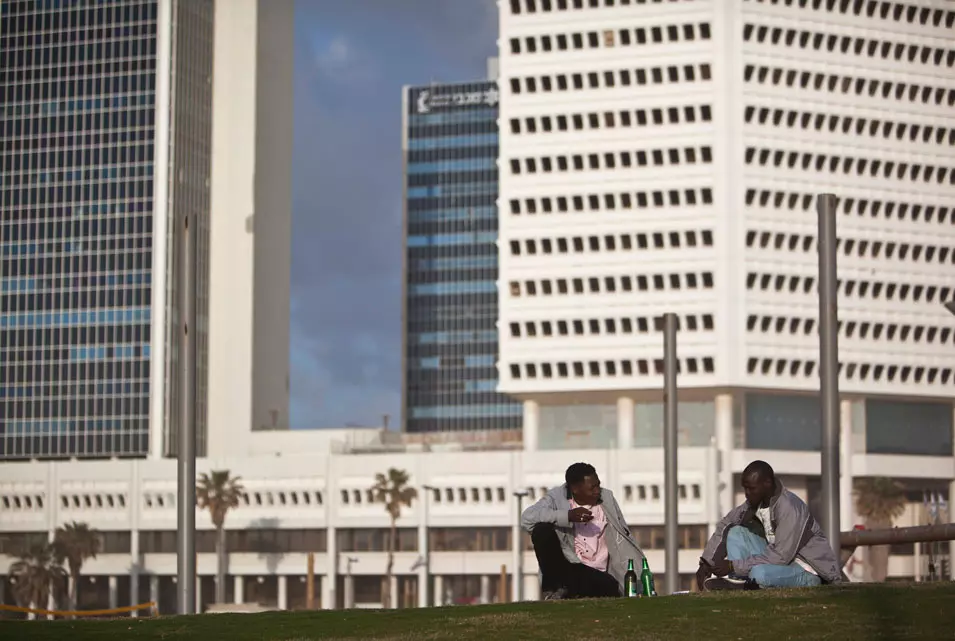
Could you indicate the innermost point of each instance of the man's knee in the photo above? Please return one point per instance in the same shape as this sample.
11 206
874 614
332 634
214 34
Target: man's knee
541 531
759 574
736 534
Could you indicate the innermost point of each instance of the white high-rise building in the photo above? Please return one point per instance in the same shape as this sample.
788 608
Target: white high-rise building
665 157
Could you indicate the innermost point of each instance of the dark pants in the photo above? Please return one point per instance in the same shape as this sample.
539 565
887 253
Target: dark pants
581 581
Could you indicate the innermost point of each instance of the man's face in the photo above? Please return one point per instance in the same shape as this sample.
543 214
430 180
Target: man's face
758 489
587 492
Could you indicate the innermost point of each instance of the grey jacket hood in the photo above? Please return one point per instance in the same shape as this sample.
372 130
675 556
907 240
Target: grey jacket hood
553 508
797 534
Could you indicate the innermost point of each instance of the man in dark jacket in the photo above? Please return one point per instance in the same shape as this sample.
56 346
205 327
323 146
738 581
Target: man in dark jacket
770 541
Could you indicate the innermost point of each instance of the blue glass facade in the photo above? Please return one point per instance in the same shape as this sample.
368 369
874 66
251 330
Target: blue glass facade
450 306
78 144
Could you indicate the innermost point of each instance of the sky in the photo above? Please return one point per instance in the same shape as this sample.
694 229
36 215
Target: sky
352 58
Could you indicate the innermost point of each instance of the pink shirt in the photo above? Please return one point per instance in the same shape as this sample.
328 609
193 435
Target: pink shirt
589 538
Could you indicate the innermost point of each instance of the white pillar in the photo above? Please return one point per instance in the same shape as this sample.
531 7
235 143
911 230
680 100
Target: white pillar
624 423
134 571
531 424
348 599
283 592
438 597
712 487
393 590
846 515
917 562
198 594
724 443
485 588
330 580
532 587
424 497
113 593
239 591
154 590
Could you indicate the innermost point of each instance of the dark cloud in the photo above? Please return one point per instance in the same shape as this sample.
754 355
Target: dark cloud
352 58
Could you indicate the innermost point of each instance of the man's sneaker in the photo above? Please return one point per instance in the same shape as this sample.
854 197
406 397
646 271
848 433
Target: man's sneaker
555 595
729 583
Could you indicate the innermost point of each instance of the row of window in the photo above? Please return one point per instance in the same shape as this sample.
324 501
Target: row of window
611 201
597 327
851 288
611 160
848 124
688 114
833 83
912 252
872 208
844 44
609 242
832 163
612 284
895 11
609 79
687 32
532 6
850 329
865 372
596 369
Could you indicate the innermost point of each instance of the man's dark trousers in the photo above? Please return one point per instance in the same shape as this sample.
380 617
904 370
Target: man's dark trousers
581 581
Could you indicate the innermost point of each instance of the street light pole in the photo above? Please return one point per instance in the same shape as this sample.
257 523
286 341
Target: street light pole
671 515
829 366
187 228
519 550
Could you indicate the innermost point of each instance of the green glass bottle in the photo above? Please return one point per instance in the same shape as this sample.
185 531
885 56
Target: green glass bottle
646 578
630 583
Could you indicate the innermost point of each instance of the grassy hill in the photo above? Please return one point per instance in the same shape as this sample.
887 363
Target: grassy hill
895 611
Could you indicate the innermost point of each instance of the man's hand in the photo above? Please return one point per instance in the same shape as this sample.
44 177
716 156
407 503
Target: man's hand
579 515
722 567
702 574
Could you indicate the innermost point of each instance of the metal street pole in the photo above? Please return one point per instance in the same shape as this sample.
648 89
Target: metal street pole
670 519
186 442
829 366
519 555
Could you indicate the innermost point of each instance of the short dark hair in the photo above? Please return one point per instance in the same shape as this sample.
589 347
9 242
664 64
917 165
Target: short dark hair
762 469
576 473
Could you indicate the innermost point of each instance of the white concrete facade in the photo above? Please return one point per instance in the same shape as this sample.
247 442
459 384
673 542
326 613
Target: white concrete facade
664 157
324 487
250 235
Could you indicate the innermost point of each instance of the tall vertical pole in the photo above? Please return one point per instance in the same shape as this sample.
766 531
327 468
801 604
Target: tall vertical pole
829 367
310 586
186 452
669 452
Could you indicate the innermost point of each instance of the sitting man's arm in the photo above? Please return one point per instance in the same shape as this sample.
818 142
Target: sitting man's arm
715 550
792 532
544 511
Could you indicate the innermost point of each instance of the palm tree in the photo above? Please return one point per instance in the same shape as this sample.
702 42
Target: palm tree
879 500
74 543
219 492
393 491
36 573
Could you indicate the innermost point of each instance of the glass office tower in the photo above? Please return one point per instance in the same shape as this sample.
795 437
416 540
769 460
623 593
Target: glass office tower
80 137
450 262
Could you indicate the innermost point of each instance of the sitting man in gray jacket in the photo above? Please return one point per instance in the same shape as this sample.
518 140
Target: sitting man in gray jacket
770 541
581 539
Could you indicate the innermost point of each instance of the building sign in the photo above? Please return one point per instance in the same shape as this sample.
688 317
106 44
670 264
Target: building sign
429 100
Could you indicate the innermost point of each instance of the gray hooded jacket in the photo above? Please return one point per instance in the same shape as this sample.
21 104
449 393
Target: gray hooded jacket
553 508
797 534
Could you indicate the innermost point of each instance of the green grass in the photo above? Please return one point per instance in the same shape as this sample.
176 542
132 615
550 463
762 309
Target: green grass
896 612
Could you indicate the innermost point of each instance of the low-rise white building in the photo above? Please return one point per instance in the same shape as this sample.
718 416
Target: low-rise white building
308 491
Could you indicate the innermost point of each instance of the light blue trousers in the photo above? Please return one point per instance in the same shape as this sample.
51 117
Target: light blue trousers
742 544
